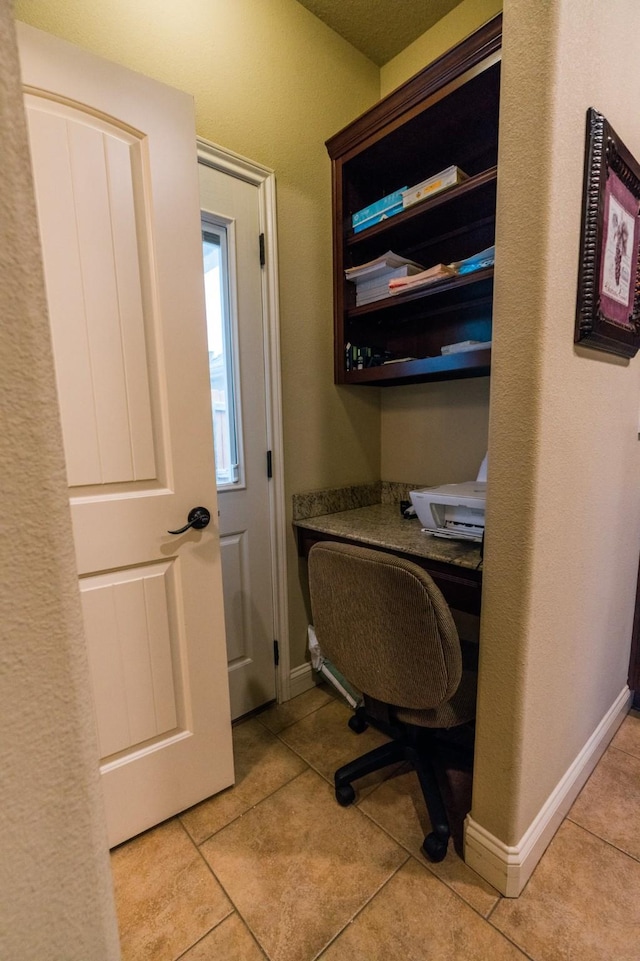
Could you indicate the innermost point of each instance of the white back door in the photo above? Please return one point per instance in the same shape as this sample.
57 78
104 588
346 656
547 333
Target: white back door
230 234
114 161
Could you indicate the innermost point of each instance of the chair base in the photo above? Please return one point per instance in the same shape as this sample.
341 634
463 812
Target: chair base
413 744
434 847
357 722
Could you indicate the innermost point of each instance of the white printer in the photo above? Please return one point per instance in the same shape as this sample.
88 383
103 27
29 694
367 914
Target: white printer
454 510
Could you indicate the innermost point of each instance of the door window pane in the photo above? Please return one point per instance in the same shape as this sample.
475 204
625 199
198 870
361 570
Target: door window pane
221 369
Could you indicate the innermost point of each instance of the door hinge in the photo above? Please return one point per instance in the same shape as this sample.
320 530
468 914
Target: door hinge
269 465
263 257
276 653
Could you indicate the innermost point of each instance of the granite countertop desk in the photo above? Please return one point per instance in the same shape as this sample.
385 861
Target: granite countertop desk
456 566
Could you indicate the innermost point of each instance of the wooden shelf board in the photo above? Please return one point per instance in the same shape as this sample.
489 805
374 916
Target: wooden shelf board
449 286
419 211
470 363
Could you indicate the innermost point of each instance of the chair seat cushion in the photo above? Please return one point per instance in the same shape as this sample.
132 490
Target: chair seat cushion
460 709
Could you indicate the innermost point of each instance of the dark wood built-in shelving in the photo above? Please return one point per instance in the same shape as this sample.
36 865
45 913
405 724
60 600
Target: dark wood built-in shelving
447 114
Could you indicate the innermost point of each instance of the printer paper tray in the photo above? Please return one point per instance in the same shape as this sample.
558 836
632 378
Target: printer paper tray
456 535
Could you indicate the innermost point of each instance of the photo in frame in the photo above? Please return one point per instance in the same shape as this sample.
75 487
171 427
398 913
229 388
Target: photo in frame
608 303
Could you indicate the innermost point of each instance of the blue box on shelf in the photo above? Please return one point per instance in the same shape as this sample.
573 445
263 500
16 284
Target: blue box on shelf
380 210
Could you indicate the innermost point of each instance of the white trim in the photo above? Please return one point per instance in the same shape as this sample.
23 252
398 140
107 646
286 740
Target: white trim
264 179
301 679
508 868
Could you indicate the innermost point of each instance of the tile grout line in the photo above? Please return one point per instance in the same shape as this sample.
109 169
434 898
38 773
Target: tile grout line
234 907
489 920
598 837
507 937
411 856
424 862
353 917
329 779
518 947
620 750
200 940
330 699
227 894
236 817
309 766
302 717
410 853
491 913
199 853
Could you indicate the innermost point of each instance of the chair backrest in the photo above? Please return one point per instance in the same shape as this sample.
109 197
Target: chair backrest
384 624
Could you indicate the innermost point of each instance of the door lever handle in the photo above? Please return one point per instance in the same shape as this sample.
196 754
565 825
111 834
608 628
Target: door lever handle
197 518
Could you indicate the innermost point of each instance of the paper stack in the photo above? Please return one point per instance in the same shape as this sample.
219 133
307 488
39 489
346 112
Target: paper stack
373 279
465 345
422 279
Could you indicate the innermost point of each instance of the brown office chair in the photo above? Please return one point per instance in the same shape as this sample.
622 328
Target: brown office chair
385 625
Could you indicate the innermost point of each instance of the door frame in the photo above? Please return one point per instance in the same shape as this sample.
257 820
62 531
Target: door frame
234 165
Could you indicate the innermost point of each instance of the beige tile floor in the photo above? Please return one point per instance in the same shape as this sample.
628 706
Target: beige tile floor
274 868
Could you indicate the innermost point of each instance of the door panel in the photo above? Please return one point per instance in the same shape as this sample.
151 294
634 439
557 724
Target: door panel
127 618
113 157
231 205
234 581
94 275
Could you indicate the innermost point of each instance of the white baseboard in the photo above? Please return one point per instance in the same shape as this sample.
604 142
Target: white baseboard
508 868
301 679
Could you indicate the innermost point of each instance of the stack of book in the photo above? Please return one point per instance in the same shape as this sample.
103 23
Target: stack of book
372 279
422 279
485 258
433 185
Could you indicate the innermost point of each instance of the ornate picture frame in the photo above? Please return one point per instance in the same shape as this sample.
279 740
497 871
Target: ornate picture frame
608 303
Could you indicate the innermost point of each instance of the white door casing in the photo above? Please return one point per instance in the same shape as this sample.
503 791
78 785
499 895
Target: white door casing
239 196
117 196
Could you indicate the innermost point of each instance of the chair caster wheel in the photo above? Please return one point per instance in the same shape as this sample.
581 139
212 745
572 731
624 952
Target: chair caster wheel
357 724
435 847
345 795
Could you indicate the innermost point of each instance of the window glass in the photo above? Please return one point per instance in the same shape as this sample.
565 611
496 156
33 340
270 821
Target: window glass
220 340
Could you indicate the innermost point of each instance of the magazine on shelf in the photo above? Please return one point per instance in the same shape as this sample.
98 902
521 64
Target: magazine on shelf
376 212
464 346
425 277
486 258
374 268
433 185
383 278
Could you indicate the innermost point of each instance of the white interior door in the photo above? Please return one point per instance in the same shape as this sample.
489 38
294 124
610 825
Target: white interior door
114 164
231 230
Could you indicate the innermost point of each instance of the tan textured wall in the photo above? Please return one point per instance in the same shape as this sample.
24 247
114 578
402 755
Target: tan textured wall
55 883
463 20
270 82
563 517
435 433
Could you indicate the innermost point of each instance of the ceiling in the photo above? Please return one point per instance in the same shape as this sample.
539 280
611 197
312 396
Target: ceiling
380 28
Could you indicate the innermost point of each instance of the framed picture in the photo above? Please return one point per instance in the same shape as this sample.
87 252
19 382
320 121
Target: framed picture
608 305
